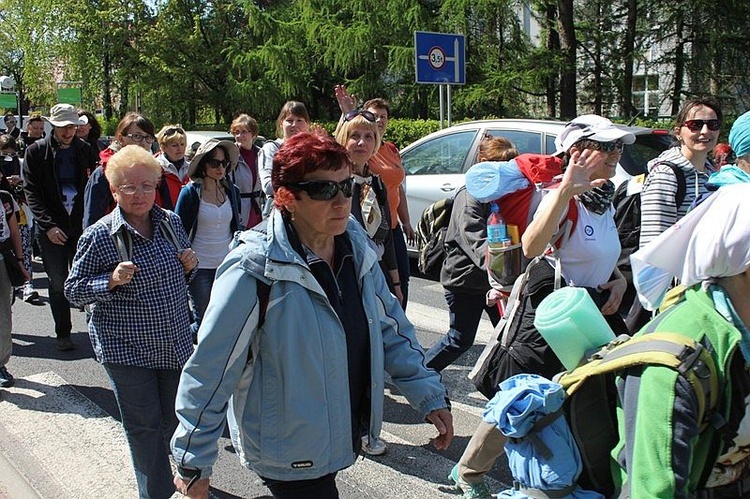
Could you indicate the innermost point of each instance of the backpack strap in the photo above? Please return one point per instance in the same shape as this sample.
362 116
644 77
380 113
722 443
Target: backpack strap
544 494
679 196
168 230
691 359
124 244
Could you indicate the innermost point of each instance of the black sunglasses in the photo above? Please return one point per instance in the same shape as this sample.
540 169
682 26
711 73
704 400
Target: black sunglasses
324 190
171 131
360 112
607 146
697 125
216 163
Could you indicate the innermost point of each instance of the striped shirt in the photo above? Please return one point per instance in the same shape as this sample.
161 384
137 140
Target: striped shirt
145 322
659 209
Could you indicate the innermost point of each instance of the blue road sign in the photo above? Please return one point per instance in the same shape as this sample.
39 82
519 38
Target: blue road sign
440 58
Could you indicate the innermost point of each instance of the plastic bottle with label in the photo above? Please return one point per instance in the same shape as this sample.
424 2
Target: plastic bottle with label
496 231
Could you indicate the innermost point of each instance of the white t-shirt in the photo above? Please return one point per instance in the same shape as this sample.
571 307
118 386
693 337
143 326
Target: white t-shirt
590 255
213 234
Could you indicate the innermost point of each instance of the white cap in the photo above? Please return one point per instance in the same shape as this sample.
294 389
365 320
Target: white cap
592 127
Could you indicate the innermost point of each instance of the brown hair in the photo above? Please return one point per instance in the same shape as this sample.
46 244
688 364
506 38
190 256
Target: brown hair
291 107
131 119
496 149
694 102
247 121
378 103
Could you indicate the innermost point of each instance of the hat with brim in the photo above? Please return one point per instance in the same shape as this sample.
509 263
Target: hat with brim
230 149
63 115
591 127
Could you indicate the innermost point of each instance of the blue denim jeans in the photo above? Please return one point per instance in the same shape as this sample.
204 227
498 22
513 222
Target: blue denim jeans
57 259
465 311
146 399
199 291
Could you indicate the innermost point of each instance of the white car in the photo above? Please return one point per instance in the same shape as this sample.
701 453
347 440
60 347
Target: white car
435 164
201 136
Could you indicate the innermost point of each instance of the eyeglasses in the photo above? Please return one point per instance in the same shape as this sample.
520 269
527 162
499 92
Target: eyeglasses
217 163
360 112
130 189
11 121
325 190
697 125
606 147
137 137
171 131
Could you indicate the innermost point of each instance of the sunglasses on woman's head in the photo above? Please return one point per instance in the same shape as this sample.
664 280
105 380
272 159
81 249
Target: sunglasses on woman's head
324 190
697 125
217 163
360 112
171 131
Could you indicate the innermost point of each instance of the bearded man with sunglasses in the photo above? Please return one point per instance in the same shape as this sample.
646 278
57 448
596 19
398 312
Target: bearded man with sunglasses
294 346
697 131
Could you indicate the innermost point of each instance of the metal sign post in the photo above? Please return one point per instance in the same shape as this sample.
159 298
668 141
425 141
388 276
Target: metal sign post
440 58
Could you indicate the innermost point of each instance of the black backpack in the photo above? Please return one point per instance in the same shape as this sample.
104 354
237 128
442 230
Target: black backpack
430 233
628 213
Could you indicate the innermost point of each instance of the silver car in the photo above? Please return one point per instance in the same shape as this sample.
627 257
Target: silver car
435 164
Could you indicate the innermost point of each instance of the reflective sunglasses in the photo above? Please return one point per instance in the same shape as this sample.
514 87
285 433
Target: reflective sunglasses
697 125
137 137
217 163
324 190
130 189
608 146
360 112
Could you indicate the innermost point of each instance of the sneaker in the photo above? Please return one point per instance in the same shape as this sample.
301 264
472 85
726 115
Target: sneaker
6 378
29 293
470 490
375 447
65 344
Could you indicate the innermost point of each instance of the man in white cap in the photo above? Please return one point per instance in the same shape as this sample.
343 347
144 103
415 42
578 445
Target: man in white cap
56 169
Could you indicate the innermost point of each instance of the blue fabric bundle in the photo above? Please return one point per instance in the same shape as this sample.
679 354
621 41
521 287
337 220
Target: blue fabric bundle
523 400
491 180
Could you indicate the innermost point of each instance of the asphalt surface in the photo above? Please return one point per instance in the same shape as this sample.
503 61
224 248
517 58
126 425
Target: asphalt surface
61 435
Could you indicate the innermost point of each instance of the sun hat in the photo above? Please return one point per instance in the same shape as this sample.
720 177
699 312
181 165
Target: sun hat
592 127
739 135
63 115
230 149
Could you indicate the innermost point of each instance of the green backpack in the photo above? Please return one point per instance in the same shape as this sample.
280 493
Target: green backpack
590 407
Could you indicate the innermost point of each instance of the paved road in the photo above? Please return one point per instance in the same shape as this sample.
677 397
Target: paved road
60 432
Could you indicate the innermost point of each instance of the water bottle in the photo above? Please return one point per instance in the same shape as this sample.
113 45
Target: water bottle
496 230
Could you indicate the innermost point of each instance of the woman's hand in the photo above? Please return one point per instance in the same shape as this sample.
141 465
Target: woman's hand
123 274
347 101
616 287
577 176
443 421
199 489
188 259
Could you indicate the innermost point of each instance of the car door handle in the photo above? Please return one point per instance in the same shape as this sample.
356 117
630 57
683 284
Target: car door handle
447 187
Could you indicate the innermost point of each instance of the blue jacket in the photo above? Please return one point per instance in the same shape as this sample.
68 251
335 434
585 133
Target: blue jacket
189 203
299 356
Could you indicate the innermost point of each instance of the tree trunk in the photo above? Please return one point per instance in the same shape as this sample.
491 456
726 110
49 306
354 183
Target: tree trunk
568 95
679 64
107 86
627 109
553 46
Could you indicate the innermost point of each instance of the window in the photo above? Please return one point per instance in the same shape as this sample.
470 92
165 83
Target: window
444 154
646 94
525 142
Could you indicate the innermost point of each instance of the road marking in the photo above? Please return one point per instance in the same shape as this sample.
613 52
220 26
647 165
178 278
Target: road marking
435 320
73 447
